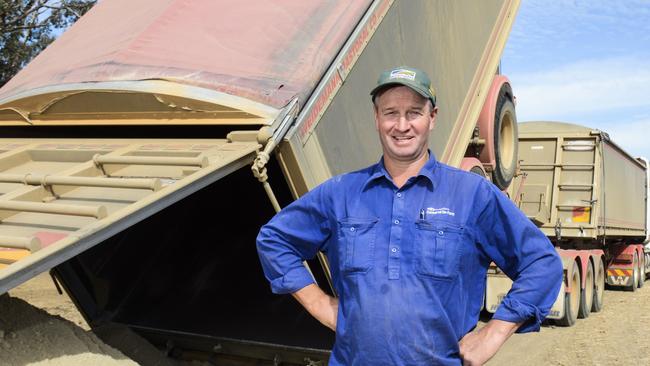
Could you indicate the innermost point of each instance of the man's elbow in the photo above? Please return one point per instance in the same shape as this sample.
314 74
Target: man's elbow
263 240
267 251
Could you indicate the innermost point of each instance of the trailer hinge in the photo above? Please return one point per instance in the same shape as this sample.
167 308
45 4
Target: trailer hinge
310 362
286 117
558 230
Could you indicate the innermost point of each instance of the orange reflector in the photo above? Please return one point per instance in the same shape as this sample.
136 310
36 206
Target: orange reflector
619 272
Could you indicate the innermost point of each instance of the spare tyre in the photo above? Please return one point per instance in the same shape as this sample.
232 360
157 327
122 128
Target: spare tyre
505 139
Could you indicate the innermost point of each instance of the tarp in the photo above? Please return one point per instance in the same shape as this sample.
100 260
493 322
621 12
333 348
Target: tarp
267 51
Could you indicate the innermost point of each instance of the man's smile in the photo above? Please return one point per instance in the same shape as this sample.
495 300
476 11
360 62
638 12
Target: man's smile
402 138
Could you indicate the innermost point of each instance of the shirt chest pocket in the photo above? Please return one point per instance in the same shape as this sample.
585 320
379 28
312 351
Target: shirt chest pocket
357 244
438 249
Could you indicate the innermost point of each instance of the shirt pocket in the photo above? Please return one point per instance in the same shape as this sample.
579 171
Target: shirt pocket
357 244
438 249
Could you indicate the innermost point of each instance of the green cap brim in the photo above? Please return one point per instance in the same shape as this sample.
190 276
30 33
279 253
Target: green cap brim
392 84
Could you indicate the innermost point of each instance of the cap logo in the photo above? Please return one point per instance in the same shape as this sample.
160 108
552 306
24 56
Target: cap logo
402 74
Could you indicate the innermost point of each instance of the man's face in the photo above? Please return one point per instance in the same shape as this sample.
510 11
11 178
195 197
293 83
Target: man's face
403 119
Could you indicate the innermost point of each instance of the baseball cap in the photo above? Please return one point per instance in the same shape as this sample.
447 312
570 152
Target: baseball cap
414 78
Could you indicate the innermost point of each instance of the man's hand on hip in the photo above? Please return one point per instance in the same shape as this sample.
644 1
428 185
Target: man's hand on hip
319 304
477 347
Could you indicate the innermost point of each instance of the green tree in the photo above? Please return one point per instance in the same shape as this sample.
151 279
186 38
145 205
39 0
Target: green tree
28 26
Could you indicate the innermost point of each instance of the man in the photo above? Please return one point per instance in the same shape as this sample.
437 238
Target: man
409 241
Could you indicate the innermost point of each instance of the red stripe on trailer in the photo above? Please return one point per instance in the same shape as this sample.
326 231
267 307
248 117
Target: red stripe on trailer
346 62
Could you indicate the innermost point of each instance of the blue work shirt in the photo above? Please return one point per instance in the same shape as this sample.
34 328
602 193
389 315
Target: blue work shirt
409 264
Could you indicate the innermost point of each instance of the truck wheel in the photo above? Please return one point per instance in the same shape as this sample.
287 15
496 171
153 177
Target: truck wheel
571 299
587 294
478 170
505 140
599 288
641 271
635 275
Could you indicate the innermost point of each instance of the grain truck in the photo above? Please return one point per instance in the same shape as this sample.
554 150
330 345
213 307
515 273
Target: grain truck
590 197
141 152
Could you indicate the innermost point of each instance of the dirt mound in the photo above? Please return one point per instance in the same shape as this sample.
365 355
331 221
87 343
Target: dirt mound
31 336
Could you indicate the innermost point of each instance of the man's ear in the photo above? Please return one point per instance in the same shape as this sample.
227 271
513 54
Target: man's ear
376 114
434 113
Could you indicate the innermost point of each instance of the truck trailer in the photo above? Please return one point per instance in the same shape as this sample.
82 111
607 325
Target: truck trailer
590 198
144 148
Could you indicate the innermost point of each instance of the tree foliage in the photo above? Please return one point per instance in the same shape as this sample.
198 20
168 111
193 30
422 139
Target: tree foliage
28 26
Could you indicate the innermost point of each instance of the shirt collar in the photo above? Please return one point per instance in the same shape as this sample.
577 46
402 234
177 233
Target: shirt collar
427 171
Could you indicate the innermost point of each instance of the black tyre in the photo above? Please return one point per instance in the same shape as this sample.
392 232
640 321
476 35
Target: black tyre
571 300
587 294
505 139
478 170
599 289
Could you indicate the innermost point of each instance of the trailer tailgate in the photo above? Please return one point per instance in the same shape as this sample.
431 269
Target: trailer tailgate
60 197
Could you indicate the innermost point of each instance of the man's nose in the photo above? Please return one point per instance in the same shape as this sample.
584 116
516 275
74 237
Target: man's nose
402 124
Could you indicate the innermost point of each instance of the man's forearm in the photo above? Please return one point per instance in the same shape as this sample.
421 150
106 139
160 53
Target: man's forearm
320 305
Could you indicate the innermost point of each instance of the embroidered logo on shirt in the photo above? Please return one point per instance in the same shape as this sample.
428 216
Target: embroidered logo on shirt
440 211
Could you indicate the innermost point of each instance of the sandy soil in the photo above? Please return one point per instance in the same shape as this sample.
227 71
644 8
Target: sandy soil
31 336
39 326
50 331
615 336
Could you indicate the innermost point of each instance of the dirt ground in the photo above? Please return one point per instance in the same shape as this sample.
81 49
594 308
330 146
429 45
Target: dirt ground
615 336
40 327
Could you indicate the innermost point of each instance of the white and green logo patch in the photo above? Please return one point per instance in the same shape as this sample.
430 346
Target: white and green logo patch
402 74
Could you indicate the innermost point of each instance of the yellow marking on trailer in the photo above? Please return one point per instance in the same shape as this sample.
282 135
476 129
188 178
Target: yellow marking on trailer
581 214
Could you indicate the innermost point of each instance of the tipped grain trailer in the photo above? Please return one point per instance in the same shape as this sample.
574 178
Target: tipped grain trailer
590 198
143 149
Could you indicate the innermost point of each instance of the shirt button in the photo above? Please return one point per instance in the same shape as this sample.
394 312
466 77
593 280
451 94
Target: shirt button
396 222
440 232
351 229
399 194
394 250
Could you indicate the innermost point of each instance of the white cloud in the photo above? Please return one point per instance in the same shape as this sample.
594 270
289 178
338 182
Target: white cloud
550 31
573 17
585 62
582 88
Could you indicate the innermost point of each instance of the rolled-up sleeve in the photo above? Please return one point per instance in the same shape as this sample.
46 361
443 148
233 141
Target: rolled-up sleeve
295 234
524 253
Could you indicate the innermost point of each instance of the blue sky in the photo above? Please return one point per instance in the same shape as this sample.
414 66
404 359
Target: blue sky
585 62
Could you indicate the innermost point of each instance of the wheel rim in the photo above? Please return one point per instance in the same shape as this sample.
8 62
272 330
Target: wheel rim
635 270
575 292
641 271
589 288
506 138
599 285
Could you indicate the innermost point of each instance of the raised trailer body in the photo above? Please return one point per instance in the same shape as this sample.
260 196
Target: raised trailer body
125 170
